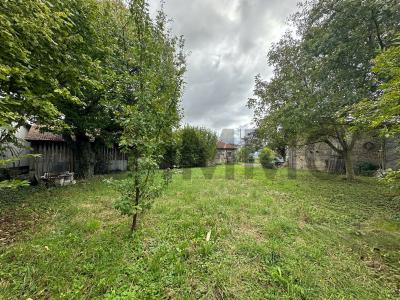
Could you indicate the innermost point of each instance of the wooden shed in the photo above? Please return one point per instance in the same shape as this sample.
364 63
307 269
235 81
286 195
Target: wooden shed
56 156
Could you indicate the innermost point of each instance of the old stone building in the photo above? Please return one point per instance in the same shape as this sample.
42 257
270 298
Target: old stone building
373 152
226 153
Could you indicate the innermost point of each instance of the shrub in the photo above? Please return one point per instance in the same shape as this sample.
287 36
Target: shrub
366 168
267 157
197 147
245 155
170 156
392 179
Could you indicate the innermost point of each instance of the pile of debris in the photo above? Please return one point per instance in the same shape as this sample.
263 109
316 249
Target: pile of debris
62 179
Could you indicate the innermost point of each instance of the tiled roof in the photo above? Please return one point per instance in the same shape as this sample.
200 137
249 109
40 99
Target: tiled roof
35 134
224 146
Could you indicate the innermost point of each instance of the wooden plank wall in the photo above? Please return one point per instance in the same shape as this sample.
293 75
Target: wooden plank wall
56 157
115 159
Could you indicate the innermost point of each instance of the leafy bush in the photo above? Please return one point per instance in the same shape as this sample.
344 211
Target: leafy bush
366 168
392 179
145 183
170 153
267 157
14 183
246 155
197 146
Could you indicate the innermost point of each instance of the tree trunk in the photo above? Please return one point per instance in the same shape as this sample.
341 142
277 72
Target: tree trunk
348 160
134 222
135 215
347 144
84 157
137 196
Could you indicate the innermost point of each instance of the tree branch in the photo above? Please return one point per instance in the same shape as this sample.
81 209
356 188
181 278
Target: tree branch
353 141
378 33
330 144
341 140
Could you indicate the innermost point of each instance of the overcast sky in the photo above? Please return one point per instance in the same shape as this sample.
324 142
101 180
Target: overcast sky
228 41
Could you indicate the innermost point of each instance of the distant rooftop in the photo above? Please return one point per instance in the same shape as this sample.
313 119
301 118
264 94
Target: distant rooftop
225 146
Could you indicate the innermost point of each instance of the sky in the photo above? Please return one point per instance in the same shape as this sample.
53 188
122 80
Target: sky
227 41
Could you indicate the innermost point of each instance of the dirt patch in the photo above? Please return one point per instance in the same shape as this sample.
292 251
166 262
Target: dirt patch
278 195
248 230
12 225
304 220
377 265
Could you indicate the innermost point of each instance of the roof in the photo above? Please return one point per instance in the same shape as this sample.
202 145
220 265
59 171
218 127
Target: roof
35 134
224 146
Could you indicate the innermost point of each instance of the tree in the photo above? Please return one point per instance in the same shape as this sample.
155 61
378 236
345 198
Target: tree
56 69
90 77
197 146
208 141
320 73
382 112
387 67
191 152
170 154
246 155
30 55
31 35
150 79
252 142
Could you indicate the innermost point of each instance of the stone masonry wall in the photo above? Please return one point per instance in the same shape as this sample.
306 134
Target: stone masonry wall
320 156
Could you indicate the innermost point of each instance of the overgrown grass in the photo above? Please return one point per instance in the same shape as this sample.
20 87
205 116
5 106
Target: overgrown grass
271 238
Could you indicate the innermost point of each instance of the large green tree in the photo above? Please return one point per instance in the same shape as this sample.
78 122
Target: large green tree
88 77
56 69
323 70
31 35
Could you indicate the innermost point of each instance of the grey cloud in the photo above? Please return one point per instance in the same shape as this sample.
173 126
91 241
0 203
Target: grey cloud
228 41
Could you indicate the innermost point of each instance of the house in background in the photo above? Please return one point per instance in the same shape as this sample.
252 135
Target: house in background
226 153
56 156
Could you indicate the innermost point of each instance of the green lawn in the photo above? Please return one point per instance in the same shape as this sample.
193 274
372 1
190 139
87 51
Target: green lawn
271 238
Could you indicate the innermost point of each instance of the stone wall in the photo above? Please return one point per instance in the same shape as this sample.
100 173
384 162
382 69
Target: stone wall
392 154
224 156
374 150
